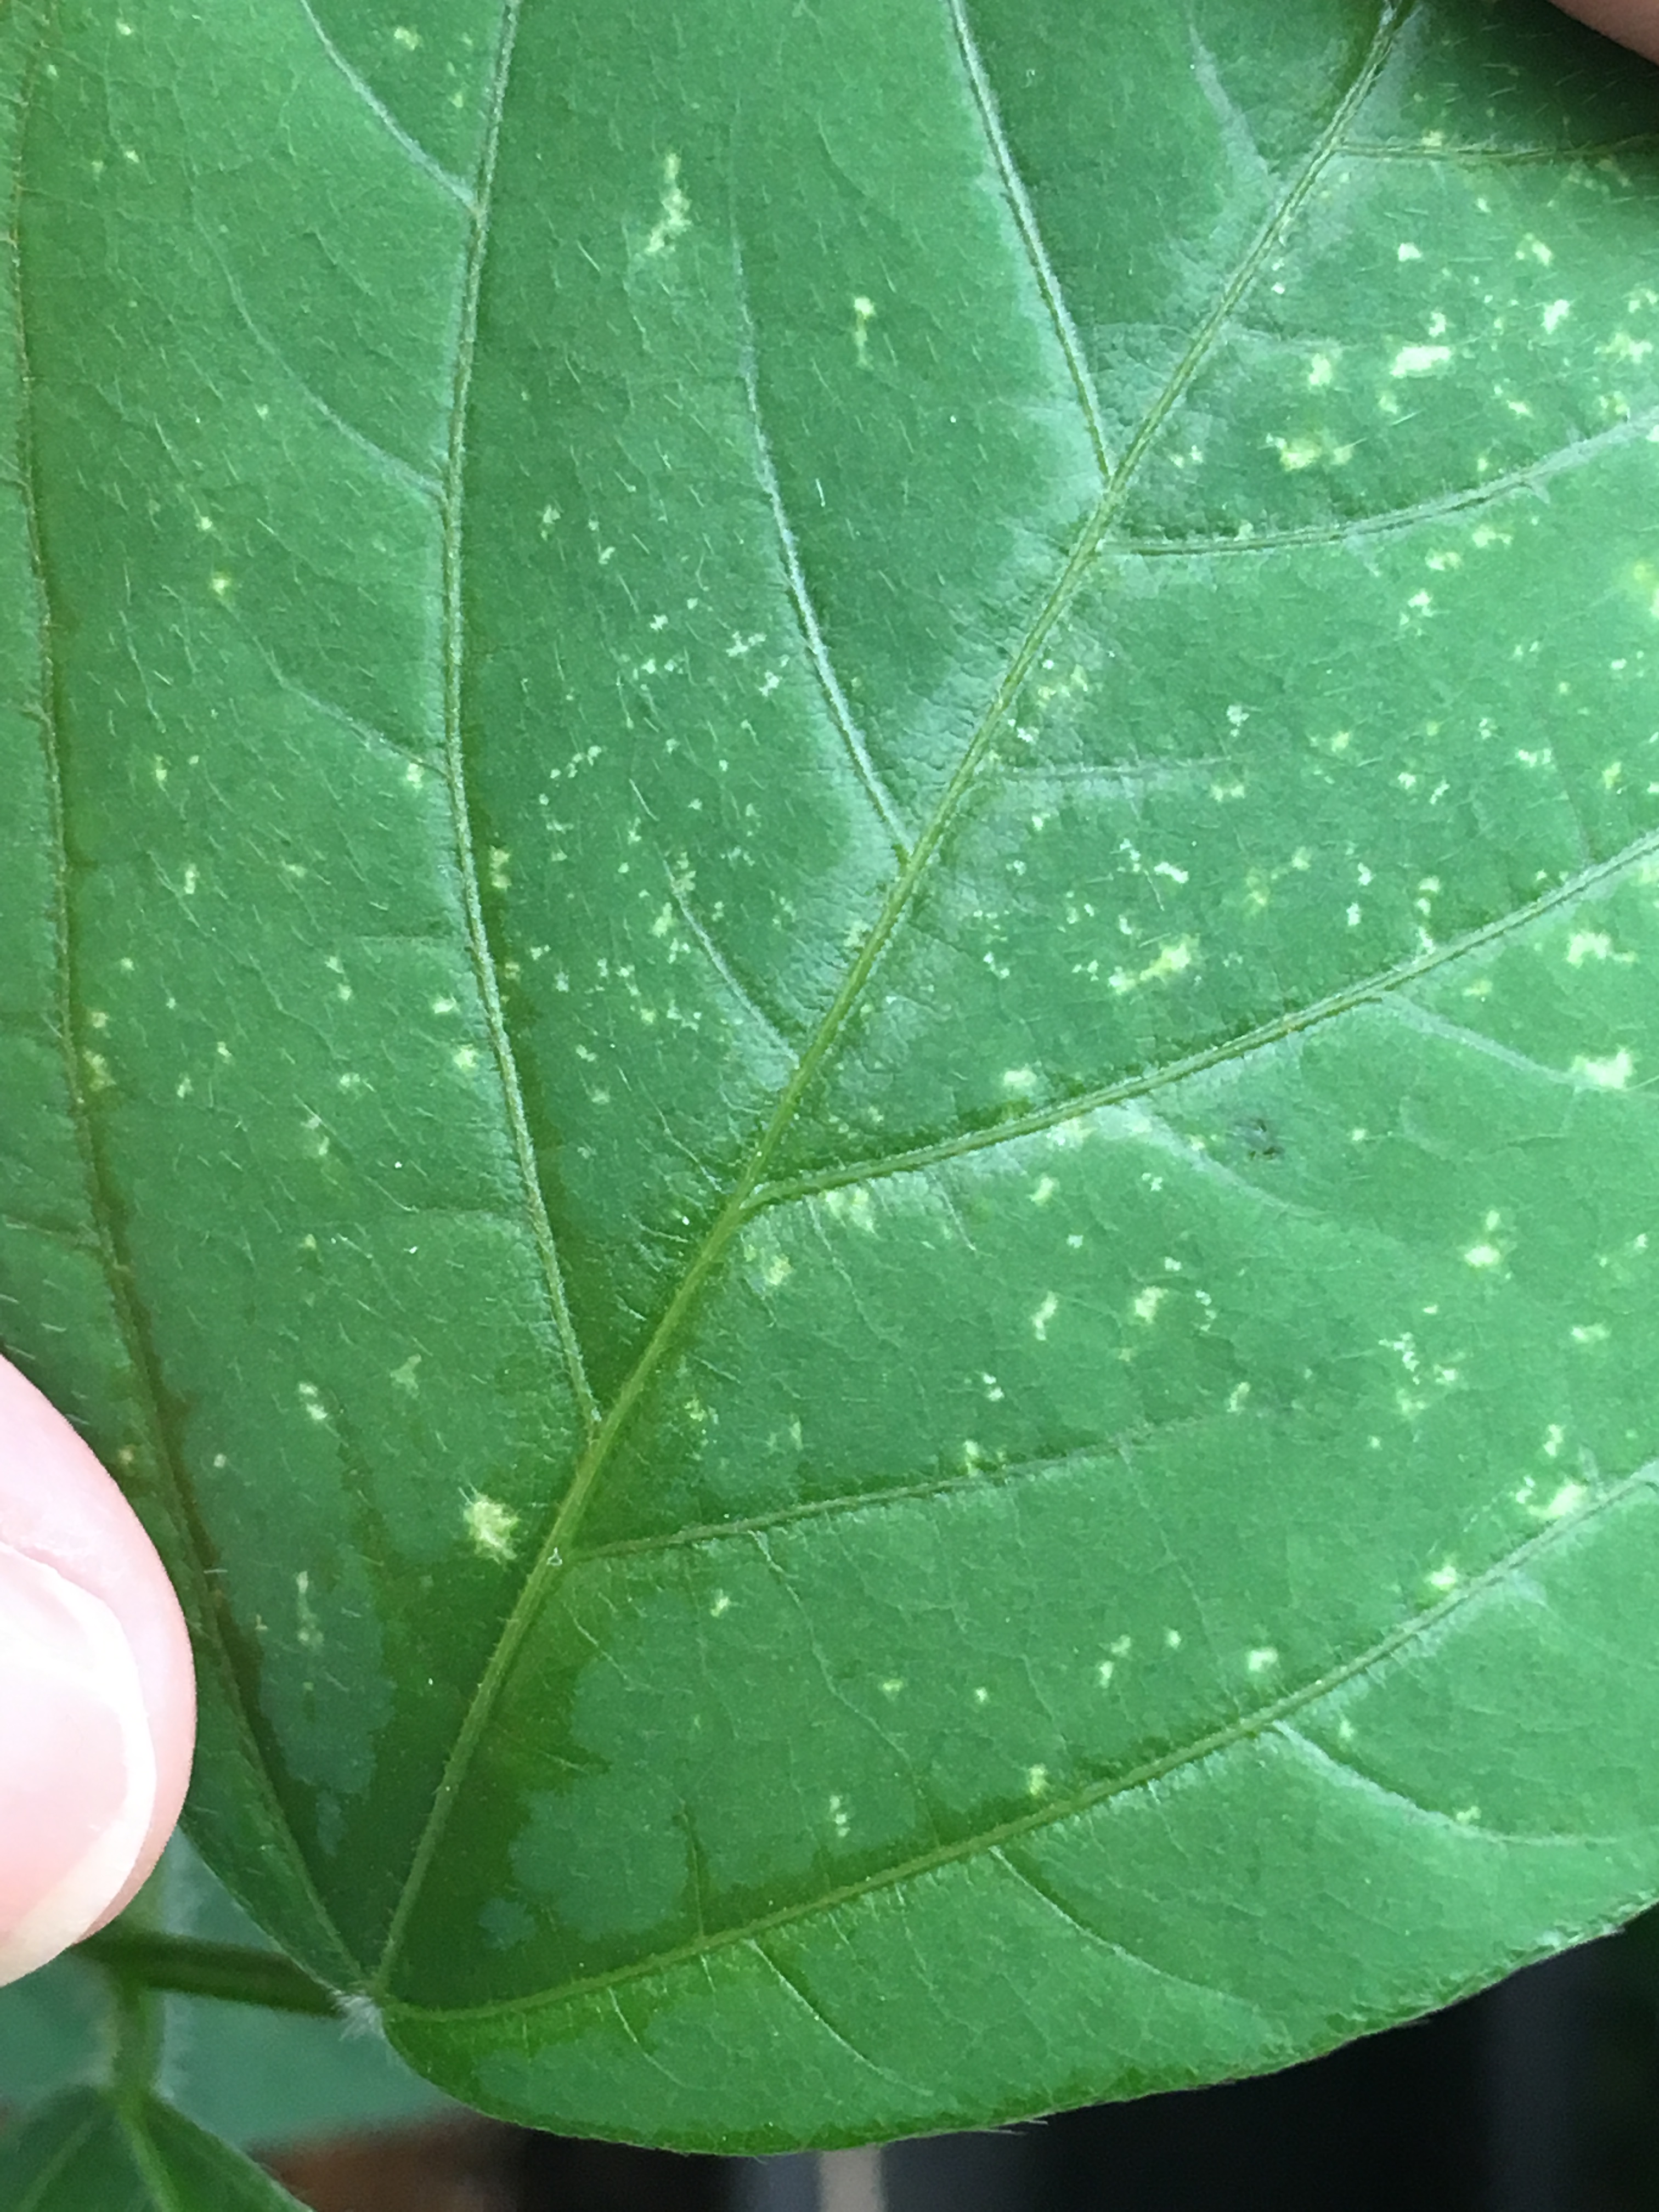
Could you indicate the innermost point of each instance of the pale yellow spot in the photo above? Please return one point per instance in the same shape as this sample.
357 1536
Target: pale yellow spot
1588 944
675 218
1174 960
1623 347
1420 360
490 1527
1610 1074
1308 451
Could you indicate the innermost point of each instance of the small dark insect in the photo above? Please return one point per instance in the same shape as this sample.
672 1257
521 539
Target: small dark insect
1258 1140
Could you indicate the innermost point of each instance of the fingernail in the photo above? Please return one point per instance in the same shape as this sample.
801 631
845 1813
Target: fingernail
77 1763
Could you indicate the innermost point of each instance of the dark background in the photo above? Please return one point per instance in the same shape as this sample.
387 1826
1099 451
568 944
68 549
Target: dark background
1541 2095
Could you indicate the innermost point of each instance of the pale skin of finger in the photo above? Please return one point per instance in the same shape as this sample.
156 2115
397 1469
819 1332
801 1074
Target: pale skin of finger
97 1693
1632 22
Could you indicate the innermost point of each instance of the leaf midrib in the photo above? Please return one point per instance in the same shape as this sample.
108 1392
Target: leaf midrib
549 1562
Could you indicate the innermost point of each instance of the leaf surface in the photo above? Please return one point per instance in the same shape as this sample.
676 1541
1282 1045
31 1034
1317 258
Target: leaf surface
828 1011
89 2152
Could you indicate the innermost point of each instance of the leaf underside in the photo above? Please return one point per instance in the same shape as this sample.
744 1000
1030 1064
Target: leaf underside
823 1012
131 2154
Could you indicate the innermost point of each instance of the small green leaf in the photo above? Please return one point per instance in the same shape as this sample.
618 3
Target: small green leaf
54 2031
88 2153
825 1017
259 2078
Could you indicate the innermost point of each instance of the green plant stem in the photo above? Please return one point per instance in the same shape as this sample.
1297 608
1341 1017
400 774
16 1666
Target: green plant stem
136 2055
142 1961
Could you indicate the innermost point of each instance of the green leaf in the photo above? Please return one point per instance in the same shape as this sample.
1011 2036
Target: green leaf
85 2150
825 1020
255 2076
54 2031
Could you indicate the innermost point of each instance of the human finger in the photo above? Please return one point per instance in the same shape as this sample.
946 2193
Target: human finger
1632 22
97 1695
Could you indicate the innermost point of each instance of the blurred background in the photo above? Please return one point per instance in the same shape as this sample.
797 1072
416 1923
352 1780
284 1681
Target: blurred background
1540 2095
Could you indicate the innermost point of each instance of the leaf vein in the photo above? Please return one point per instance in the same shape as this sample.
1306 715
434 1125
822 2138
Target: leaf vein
816 2010
1344 1774
1245 1728
1371 990
801 596
59 2163
723 968
1039 1890
1500 156
1467 499
393 465
480 952
455 186
1030 233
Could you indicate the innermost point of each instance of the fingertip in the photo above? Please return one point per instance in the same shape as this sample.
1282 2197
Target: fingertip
1634 23
97 1691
